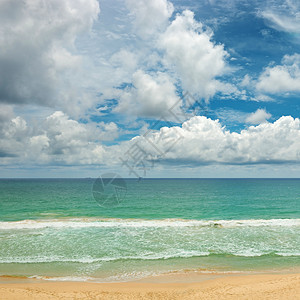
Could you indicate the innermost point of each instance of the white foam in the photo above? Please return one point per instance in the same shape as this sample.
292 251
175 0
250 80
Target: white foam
102 223
90 260
160 256
65 278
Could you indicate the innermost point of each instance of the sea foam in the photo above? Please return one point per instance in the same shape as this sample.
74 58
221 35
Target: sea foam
89 222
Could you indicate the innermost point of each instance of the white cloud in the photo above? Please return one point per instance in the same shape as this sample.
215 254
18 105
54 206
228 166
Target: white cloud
68 141
258 117
60 140
171 54
247 81
124 60
13 137
38 59
150 17
150 96
282 22
205 141
195 58
281 78
285 17
57 140
262 97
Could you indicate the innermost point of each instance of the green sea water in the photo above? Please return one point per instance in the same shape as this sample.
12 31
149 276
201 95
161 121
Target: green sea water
54 228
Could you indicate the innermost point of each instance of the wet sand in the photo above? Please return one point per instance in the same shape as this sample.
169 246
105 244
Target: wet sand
176 286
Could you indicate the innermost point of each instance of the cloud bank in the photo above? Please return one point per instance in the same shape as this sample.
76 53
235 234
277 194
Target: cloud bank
204 141
200 140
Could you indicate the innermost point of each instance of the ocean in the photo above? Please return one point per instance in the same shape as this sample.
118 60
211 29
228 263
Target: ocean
54 229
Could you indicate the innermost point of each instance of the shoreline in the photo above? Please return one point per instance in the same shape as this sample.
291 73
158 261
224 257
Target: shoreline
168 286
181 275
172 276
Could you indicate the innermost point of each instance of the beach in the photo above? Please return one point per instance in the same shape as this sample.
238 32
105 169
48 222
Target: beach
266 286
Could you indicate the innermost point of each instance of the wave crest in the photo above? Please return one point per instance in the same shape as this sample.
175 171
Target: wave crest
91 222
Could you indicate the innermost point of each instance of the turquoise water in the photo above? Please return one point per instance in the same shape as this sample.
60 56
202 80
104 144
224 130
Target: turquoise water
54 227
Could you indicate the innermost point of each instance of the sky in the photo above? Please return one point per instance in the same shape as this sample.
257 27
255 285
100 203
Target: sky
156 88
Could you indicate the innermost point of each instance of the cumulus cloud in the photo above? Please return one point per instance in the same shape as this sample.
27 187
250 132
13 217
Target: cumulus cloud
150 96
38 59
204 141
172 56
150 17
57 140
60 140
193 55
13 136
258 117
68 141
281 78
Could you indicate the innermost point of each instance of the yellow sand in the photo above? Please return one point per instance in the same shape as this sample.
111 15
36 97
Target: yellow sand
269 286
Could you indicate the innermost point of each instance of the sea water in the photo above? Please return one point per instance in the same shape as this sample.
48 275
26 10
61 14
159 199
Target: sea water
54 229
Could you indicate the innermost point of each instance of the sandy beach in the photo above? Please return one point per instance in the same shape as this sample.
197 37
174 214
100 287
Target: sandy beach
266 286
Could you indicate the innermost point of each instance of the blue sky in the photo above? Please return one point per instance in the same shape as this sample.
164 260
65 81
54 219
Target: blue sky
150 88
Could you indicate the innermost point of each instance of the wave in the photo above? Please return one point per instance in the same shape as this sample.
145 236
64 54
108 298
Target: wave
90 260
92 222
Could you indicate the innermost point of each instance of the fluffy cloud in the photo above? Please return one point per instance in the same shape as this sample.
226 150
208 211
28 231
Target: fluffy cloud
170 57
281 78
150 96
57 140
68 141
204 141
258 117
60 140
150 16
195 58
38 60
